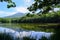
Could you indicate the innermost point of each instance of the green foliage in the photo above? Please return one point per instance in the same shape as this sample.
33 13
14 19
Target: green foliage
45 5
28 14
10 3
40 18
35 18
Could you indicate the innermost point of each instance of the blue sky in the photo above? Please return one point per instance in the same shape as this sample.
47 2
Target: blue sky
21 6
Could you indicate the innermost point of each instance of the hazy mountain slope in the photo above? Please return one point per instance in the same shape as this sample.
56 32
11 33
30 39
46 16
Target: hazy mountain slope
17 15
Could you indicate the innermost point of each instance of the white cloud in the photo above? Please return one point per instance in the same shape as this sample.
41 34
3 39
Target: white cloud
17 9
4 13
21 9
27 1
56 9
1 11
33 2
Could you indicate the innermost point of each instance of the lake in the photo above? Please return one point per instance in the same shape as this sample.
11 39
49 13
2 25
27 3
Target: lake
28 26
25 30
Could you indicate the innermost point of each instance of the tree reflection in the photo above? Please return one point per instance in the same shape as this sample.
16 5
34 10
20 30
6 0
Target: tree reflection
56 35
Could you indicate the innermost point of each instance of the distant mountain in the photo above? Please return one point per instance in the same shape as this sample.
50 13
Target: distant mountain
17 15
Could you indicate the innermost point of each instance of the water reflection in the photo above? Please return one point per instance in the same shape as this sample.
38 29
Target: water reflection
26 26
56 35
32 34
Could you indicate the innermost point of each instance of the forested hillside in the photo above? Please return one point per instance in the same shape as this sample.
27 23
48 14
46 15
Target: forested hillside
52 17
40 18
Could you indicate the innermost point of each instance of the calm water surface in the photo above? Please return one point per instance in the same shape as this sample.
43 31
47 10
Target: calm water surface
24 30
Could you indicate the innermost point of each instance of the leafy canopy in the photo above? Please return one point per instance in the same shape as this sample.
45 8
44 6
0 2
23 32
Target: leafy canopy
44 5
10 3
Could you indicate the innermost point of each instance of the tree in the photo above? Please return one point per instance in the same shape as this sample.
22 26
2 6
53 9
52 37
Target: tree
10 3
44 5
28 14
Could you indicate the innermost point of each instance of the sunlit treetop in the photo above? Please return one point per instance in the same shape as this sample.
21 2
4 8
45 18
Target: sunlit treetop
44 5
10 3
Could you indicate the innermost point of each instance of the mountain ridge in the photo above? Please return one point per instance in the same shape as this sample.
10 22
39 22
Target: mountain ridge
17 15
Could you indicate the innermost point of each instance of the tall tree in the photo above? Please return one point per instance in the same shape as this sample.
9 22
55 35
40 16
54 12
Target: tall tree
10 3
44 5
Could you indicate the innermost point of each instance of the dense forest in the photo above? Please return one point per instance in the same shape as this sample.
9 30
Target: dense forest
51 17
